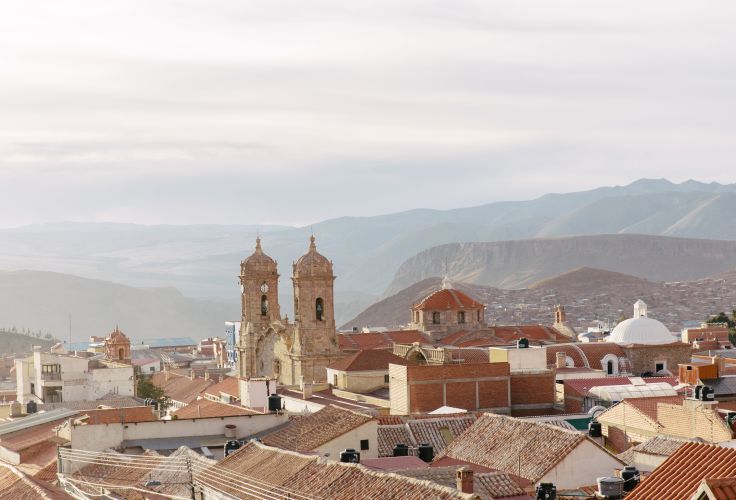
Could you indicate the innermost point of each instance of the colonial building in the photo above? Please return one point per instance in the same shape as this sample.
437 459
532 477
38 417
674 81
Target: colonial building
447 311
270 345
117 347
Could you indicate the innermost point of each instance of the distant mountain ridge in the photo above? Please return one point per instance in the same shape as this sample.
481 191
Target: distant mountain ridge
521 263
203 260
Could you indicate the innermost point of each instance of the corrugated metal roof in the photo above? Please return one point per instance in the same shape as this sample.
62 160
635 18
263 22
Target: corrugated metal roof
36 419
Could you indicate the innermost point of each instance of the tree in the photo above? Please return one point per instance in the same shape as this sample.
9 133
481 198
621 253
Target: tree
731 322
147 389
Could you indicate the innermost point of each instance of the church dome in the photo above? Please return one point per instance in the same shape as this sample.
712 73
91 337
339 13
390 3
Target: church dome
312 263
258 262
641 329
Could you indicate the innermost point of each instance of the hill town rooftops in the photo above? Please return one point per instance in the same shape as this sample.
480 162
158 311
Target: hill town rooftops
274 471
368 360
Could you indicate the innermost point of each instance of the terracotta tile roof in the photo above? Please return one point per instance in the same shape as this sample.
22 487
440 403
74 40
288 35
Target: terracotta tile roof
326 397
380 340
487 485
121 470
31 436
447 298
305 433
389 420
536 333
596 351
390 463
723 488
581 386
287 472
572 350
180 388
372 359
680 475
437 431
470 355
206 408
229 386
117 415
659 445
17 486
516 446
391 435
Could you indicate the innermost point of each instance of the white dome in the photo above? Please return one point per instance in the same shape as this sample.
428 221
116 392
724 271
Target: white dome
641 330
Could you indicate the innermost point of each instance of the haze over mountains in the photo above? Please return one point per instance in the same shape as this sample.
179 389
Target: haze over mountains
379 255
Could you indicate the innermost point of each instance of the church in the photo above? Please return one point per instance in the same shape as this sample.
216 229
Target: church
272 346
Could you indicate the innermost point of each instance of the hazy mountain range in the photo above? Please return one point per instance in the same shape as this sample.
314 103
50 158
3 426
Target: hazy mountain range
375 256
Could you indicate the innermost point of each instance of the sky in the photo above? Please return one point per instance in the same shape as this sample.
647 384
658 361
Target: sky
292 112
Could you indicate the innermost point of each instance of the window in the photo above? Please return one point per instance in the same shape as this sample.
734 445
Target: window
385 379
152 368
477 315
609 367
364 442
461 317
334 379
320 309
416 317
264 305
436 318
660 365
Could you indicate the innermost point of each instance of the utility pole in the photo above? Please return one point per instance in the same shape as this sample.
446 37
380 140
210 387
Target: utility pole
70 328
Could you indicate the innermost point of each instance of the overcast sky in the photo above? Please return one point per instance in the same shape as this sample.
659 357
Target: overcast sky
296 111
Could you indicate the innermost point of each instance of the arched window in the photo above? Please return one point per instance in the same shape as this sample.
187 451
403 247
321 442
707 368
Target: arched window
609 367
320 309
477 316
121 353
416 317
264 305
461 317
436 318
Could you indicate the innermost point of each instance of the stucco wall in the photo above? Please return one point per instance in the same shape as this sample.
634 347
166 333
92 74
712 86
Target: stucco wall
352 439
582 466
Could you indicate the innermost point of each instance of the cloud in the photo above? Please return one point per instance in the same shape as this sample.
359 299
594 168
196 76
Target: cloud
287 112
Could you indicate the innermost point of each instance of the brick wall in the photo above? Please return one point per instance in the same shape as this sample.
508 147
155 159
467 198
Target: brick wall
533 389
615 439
644 357
468 386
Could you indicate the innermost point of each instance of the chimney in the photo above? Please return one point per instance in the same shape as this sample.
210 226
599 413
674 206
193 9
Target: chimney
464 479
720 363
561 360
306 390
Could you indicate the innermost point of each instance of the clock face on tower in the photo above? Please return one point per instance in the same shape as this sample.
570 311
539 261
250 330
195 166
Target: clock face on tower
264 288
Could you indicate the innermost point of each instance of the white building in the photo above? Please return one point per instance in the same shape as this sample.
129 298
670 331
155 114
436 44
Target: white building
46 377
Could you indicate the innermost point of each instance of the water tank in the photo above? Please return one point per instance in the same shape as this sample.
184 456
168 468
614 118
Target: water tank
522 343
631 477
546 491
426 452
31 407
402 450
274 403
611 487
231 446
707 393
731 419
696 394
349 455
16 409
595 429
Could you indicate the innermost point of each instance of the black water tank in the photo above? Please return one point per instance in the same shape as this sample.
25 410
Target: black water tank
426 452
31 407
274 403
595 429
522 343
706 393
401 450
231 446
630 475
697 391
546 491
350 456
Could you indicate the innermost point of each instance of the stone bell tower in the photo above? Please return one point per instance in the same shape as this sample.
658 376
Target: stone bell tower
315 337
259 281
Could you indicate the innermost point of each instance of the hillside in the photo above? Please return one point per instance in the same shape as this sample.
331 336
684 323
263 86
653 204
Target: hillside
587 294
202 260
521 263
12 343
43 300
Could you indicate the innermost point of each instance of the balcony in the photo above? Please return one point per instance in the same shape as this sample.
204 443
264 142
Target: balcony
51 376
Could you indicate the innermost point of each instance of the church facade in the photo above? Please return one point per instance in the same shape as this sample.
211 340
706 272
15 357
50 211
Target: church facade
272 346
